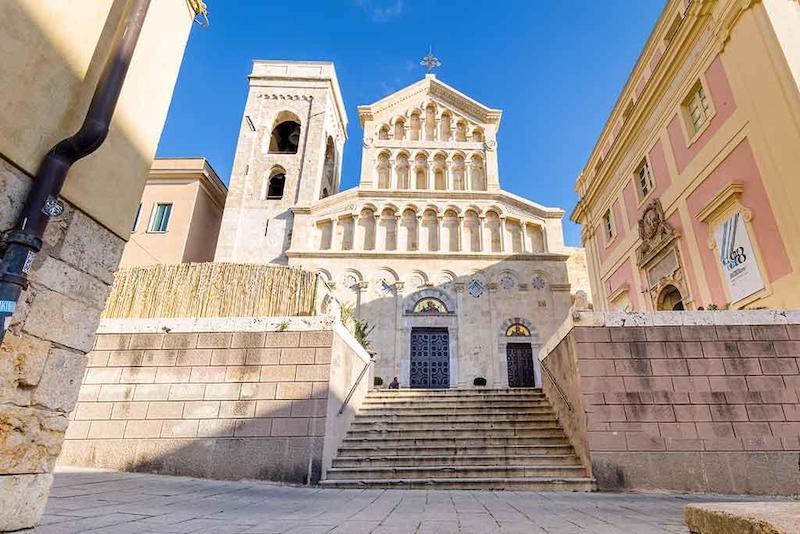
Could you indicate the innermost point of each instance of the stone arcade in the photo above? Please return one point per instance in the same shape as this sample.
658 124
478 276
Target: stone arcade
461 279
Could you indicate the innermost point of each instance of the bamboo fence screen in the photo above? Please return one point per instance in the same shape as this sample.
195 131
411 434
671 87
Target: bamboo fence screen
211 290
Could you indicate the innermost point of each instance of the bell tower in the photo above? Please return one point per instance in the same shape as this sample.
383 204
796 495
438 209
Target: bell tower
288 155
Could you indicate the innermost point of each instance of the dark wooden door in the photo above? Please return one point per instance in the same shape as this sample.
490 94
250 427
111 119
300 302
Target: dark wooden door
520 365
430 358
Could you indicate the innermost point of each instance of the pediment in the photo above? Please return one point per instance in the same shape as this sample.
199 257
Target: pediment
429 89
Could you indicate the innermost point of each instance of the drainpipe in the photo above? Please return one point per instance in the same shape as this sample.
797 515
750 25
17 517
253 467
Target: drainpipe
25 239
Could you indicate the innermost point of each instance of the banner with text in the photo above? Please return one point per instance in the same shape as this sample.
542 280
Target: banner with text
738 259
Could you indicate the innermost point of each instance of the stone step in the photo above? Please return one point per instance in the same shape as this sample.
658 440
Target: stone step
479 410
457 471
454 392
514 483
464 424
483 397
371 449
458 442
455 459
446 402
438 419
468 433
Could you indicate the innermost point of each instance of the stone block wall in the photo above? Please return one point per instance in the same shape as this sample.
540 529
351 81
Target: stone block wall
211 397
42 356
689 401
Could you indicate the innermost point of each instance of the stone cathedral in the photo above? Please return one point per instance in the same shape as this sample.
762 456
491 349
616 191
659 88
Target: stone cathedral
461 279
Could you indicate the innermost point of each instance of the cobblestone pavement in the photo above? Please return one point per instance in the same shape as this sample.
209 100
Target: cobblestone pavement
107 501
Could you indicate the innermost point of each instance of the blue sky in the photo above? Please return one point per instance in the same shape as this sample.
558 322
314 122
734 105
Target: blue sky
554 68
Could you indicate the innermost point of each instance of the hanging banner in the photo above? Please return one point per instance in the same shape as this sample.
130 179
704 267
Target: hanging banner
738 259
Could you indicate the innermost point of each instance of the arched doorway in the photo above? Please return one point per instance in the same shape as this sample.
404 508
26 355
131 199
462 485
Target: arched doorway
670 299
430 321
518 340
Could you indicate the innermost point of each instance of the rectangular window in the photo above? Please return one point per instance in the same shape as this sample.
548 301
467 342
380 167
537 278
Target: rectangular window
697 108
644 179
136 219
608 225
160 220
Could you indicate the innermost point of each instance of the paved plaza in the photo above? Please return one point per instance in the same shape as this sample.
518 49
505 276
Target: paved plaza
107 501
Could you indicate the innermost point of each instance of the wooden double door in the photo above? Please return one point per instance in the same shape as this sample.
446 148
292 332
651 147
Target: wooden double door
520 365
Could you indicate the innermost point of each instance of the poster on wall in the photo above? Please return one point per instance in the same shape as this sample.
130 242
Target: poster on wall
738 259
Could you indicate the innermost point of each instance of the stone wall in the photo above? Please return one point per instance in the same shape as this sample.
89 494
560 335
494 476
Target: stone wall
693 401
220 397
561 384
42 356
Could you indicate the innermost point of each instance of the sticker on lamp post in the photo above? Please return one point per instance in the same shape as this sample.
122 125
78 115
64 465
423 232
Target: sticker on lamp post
738 259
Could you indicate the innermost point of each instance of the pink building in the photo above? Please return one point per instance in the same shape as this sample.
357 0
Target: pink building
687 200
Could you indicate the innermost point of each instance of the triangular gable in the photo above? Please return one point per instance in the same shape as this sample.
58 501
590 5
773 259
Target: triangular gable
439 91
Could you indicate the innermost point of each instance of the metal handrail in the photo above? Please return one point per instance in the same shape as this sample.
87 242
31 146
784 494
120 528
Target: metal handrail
558 388
357 382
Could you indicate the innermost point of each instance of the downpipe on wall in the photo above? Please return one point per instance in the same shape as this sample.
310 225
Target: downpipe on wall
24 241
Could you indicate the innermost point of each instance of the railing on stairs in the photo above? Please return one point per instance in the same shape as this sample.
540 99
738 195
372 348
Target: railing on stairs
555 383
357 382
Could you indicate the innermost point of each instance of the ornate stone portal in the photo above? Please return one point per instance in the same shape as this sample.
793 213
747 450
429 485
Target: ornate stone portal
658 256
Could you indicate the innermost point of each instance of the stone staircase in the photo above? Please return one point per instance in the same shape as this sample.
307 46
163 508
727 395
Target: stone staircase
457 439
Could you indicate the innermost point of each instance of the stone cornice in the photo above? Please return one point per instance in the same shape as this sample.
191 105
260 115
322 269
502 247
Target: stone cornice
440 199
366 254
441 91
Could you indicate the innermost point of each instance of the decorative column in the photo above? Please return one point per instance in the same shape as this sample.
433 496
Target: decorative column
449 182
380 233
402 234
462 235
393 175
336 240
486 235
358 233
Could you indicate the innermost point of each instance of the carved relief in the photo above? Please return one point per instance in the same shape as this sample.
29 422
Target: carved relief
654 231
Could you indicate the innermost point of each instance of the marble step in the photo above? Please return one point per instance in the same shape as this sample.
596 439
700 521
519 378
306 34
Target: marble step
478 397
372 449
457 424
457 442
468 433
438 419
434 393
455 408
458 471
513 483
455 459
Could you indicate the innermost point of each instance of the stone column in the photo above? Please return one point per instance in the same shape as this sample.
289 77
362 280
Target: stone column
393 175
336 239
358 233
380 233
486 235
462 235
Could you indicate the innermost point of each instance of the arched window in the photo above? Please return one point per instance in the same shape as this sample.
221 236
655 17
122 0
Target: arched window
461 131
275 185
328 169
458 173
477 175
402 168
399 129
430 305
285 134
518 330
477 135
383 171
383 133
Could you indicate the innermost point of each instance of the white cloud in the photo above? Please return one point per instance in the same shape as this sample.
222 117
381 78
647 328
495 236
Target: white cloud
381 10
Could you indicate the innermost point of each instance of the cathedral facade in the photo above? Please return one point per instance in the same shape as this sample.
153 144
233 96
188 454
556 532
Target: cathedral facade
461 280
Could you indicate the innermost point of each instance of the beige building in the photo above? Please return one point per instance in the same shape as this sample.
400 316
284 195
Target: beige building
53 53
688 199
460 278
179 215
